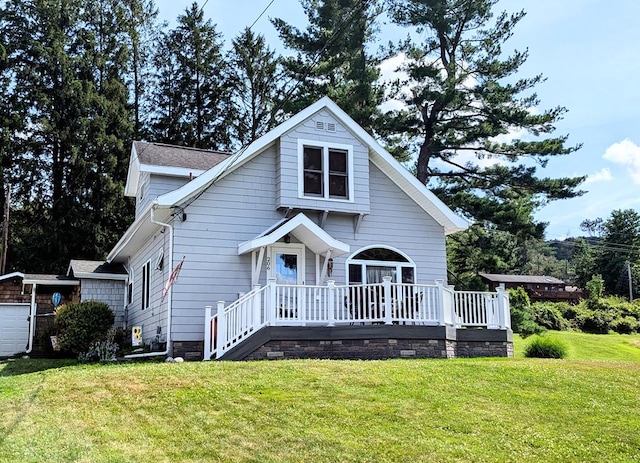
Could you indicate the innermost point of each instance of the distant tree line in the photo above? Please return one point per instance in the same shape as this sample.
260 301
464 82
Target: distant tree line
81 79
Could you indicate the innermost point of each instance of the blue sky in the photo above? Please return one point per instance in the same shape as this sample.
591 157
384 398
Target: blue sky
589 51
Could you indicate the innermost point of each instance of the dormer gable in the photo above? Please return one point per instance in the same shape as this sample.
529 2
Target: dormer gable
167 160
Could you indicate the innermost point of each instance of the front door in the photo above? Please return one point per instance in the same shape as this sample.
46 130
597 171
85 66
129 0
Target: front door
286 264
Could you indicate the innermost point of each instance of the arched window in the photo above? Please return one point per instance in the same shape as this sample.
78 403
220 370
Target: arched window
371 264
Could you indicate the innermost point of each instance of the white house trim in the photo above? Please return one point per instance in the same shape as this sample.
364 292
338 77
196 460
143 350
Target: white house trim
303 229
325 146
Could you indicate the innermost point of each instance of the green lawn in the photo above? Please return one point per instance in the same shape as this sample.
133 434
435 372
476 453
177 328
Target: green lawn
582 346
510 410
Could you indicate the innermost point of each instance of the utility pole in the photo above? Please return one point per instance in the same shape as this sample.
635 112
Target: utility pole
630 281
5 230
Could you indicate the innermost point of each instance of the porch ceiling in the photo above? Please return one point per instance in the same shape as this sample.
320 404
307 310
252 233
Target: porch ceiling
303 229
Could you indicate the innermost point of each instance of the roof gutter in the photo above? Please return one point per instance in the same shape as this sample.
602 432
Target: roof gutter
169 294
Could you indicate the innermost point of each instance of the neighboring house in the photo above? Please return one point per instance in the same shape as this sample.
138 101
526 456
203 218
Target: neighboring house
538 287
319 241
26 310
27 302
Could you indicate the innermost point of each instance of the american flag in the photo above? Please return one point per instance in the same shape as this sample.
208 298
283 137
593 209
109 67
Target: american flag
172 278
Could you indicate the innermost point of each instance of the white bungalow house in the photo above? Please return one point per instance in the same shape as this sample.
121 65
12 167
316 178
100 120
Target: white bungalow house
311 242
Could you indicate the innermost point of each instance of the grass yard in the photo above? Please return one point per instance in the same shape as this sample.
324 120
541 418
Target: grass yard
514 410
583 346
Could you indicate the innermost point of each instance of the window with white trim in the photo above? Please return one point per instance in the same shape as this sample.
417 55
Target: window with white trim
370 265
326 171
146 285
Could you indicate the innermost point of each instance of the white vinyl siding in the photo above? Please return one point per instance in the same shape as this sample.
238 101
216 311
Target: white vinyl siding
290 168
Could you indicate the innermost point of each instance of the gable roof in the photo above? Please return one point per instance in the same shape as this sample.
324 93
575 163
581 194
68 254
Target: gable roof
159 158
527 279
97 270
303 229
429 202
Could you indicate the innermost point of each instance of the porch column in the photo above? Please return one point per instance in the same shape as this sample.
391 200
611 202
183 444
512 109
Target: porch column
386 285
208 335
440 301
270 310
331 302
257 306
221 334
502 310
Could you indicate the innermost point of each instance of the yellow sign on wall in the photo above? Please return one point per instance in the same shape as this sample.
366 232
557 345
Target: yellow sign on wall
136 336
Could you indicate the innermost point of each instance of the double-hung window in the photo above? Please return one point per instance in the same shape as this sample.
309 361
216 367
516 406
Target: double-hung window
326 171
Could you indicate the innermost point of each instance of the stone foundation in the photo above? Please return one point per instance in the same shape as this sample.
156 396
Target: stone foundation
363 349
188 350
367 342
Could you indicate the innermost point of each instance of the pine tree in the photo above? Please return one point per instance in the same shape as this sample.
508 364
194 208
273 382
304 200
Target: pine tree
333 58
255 76
69 145
191 95
463 99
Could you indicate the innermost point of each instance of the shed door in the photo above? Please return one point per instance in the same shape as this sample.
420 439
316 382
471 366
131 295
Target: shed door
14 328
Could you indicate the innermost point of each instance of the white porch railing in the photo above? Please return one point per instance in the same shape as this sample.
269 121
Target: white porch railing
330 305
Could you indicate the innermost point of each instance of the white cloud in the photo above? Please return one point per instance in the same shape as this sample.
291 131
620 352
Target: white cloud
603 175
627 154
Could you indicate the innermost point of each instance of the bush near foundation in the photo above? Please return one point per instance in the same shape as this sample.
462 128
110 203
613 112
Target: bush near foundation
80 324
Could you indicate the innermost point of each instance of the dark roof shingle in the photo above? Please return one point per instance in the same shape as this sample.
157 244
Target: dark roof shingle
159 154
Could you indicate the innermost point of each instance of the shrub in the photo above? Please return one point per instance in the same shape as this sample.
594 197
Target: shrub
594 321
547 314
544 347
625 325
522 321
80 324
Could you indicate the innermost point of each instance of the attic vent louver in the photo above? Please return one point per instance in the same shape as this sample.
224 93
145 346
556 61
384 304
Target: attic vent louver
331 127
319 125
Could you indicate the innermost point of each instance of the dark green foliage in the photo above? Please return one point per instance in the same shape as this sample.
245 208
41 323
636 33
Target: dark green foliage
256 79
462 94
79 324
191 98
549 315
333 58
625 325
594 321
522 316
619 243
70 129
545 347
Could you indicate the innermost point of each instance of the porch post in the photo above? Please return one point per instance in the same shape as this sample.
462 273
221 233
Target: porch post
501 306
207 332
440 299
331 302
450 297
257 306
221 335
386 285
271 308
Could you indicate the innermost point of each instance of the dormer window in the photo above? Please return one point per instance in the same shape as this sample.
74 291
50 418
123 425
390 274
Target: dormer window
326 171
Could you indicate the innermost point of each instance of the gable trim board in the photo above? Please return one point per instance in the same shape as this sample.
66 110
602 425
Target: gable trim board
429 202
303 229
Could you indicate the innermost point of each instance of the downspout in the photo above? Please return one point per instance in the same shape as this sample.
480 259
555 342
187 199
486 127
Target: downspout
32 318
169 295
